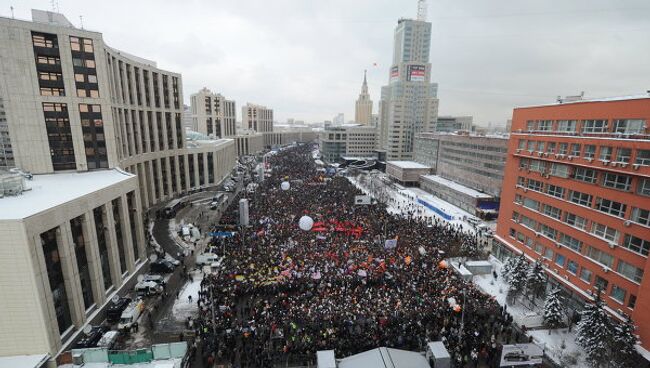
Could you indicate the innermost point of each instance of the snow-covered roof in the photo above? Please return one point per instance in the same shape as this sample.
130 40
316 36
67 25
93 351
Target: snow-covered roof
408 165
24 361
598 99
51 190
385 358
456 186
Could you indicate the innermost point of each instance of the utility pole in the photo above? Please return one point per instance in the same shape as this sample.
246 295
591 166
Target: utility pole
462 318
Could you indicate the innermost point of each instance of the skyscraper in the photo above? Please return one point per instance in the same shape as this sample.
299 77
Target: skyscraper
363 107
409 103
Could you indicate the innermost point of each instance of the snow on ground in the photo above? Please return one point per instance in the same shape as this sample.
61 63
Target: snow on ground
560 345
182 307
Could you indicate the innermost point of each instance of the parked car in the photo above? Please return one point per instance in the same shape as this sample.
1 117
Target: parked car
158 279
161 266
91 339
115 309
148 288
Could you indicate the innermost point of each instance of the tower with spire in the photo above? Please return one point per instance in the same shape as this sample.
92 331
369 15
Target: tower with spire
363 107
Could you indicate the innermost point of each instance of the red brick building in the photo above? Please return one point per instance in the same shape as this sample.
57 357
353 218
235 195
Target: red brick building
576 194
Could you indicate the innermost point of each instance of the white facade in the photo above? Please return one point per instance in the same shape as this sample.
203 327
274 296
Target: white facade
350 140
212 114
257 118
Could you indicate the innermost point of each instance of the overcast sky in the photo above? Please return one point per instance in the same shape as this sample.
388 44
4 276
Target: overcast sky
305 58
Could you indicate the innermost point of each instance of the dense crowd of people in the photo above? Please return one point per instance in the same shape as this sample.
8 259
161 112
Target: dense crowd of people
282 293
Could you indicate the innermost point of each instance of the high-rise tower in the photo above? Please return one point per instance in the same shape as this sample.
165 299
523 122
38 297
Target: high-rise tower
363 107
409 103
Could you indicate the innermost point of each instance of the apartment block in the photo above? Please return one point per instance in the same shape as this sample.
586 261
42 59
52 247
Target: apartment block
257 118
212 114
576 195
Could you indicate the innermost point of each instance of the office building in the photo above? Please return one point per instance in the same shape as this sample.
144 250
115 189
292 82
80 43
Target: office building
363 106
257 118
348 140
6 152
408 103
101 132
577 196
212 114
249 143
188 123
451 124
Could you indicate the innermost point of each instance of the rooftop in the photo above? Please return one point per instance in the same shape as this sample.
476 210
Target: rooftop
51 190
455 186
597 99
408 165
24 361
385 358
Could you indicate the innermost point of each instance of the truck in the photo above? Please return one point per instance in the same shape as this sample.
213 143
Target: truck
129 318
115 310
148 288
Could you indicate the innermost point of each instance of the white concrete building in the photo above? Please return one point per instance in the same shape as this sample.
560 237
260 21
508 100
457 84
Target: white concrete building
348 140
257 118
213 114
409 103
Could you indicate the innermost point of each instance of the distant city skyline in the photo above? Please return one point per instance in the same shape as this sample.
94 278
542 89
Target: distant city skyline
303 59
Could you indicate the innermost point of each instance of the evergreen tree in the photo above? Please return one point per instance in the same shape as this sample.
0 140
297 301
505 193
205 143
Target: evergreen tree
624 354
594 333
553 311
536 279
517 275
507 267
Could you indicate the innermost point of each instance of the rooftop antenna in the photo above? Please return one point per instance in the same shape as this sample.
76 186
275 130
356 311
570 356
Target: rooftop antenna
12 11
422 10
55 5
81 19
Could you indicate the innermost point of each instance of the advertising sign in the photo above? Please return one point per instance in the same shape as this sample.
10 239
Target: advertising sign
394 73
390 244
521 355
362 199
416 73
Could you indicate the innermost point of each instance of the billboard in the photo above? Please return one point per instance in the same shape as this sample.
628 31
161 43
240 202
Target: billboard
362 199
416 73
394 74
521 355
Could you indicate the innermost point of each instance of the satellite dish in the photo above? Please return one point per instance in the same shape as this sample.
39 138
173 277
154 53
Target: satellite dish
115 299
140 278
153 257
88 329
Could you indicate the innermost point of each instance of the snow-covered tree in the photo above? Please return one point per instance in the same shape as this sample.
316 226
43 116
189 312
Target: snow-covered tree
507 268
624 354
517 275
595 332
553 311
536 279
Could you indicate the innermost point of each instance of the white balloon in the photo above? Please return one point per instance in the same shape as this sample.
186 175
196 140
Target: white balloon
306 223
285 185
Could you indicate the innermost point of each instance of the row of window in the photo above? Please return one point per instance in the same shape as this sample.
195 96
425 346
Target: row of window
605 153
605 179
621 126
623 268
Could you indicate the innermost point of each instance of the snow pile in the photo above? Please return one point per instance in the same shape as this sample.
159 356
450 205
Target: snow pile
182 307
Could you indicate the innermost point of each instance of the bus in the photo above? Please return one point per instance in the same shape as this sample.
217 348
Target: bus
172 207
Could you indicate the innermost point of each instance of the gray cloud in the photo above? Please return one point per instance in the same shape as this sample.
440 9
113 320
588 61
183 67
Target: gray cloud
306 58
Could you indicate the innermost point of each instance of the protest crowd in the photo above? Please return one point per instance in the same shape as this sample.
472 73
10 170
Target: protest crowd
283 293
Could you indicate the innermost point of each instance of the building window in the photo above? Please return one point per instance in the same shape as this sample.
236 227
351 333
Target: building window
576 221
563 148
632 301
559 260
548 253
644 187
560 170
601 257
535 185
641 216
601 283
590 151
572 267
611 207
618 294
594 126
550 148
548 231
537 166
631 272
604 232
566 126
637 245
545 125
555 191
571 242
605 153
521 144
580 198
538 248
616 181
642 157
531 125
629 126
56 279
551 211
531 203
623 154
575 149
532 146
585 275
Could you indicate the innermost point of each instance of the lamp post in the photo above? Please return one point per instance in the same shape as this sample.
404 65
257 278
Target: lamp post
462 318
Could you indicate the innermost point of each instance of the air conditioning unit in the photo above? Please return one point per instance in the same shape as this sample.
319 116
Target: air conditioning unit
622 164
566 277
557 156
547 176
605 162
570 157
605 269
588 159
614 164
612 245
558 245
520 168
561 155
545 154
518 150
627 223
525 190
537 234
539 154
635 166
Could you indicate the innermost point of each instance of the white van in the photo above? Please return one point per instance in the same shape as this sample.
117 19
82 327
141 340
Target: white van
147 288
129 317
206 259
